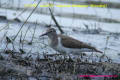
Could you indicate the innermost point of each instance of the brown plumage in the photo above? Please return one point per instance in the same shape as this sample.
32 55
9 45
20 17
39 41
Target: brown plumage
67 44
70 42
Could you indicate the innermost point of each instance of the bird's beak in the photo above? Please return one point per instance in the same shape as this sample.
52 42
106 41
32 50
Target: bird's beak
44 34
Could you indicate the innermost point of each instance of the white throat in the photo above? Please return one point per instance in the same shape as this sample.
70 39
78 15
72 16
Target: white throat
53 40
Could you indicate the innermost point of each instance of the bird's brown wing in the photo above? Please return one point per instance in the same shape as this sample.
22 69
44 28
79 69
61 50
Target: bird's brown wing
70 42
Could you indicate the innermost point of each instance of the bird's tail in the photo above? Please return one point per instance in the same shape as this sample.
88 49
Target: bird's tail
98 51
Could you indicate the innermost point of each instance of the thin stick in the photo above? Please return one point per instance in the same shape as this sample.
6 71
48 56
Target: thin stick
26 33
52 16
26 20
34 32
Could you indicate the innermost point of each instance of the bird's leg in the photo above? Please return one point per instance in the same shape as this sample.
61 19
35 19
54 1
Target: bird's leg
69 56
78 58
91 55
66 56
70 59
81 55
58 53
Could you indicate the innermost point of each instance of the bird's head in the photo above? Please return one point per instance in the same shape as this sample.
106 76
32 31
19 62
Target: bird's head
50 32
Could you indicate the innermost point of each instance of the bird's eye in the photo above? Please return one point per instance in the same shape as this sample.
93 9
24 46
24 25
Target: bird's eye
50 31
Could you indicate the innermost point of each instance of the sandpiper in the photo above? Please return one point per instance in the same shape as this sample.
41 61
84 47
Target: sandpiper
66 44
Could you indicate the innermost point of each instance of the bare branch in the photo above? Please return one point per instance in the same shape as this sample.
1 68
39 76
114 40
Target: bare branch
52 16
